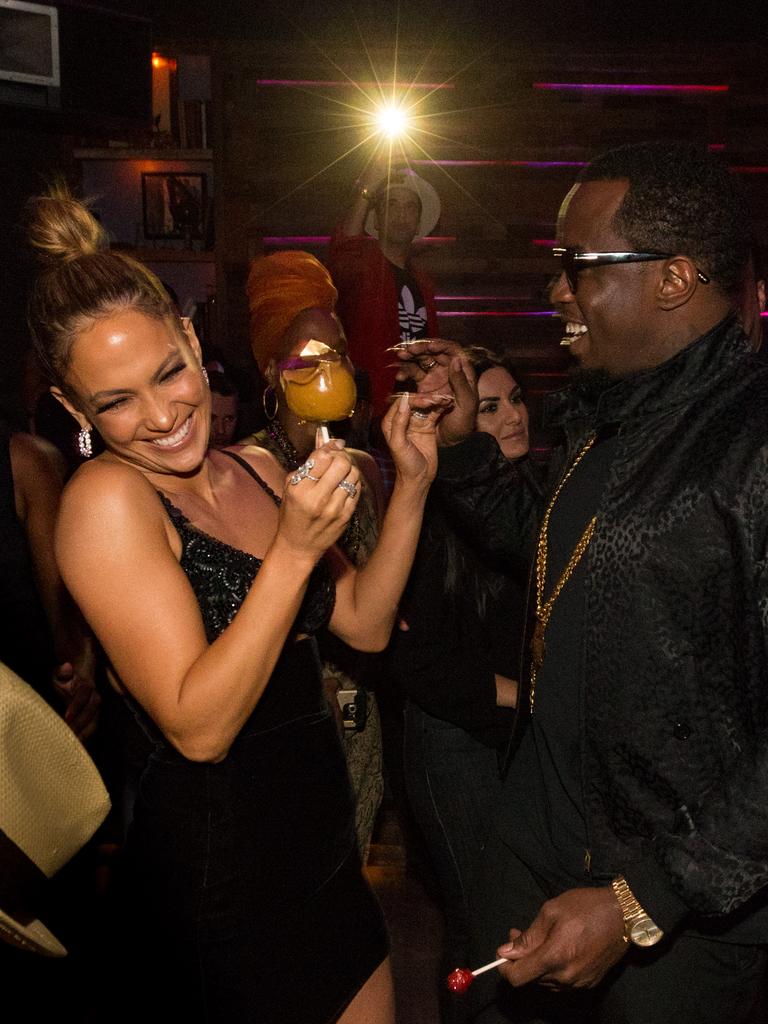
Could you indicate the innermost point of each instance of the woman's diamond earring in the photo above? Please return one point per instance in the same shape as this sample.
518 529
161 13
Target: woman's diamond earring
84 445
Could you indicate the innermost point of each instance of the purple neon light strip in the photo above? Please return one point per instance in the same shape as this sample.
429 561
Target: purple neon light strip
490 312
493 312
545 164
313 83
500 163
626 87
296 240
325 239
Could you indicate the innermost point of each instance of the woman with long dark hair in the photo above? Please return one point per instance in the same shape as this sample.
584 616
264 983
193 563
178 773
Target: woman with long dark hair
455 657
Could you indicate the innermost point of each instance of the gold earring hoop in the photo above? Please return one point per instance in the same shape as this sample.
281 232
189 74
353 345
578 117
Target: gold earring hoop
269 390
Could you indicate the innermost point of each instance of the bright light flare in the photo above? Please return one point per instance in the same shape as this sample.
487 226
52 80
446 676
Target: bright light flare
392 121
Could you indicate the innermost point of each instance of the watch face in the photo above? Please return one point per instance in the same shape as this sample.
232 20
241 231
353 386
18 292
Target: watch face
644 932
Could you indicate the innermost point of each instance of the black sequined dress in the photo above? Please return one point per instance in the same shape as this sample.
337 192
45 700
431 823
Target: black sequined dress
242 879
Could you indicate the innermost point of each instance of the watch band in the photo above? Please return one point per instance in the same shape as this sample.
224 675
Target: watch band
639 927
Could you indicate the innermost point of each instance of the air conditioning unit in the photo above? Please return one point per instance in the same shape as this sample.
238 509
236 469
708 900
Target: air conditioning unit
29 43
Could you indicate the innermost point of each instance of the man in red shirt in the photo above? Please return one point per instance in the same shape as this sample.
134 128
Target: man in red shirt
383 296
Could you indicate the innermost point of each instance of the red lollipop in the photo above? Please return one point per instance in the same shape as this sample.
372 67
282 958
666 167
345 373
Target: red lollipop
458 981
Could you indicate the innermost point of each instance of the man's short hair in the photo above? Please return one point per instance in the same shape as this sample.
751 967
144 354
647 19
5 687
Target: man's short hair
682 199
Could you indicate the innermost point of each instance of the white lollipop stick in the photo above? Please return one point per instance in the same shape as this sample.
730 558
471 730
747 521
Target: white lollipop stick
322 437
489 967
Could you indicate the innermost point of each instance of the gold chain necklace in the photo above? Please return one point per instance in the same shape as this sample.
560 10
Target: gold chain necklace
544 608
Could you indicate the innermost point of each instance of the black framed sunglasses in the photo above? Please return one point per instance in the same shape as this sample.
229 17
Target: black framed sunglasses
573 260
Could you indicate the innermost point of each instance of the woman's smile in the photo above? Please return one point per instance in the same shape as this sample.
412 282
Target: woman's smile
139 382
177 438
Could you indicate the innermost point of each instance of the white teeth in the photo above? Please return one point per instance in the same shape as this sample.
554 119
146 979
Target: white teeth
174 439
572 331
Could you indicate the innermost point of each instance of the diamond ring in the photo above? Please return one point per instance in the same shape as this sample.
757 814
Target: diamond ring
350 488
303 473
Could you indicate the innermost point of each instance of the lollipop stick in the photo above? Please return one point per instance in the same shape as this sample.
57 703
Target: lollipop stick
323 436
489 967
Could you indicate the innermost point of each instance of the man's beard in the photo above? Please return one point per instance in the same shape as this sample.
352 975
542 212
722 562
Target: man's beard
590 384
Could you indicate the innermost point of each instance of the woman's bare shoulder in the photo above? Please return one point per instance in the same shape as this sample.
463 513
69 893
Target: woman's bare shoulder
264 462
108 501
106 483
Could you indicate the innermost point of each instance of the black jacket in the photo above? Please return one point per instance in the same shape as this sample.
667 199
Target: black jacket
447 659
675 682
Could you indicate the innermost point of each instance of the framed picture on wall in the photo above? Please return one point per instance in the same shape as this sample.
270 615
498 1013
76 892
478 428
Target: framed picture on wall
175 204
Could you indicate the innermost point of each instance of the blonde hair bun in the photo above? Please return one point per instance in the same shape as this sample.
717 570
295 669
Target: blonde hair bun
62 228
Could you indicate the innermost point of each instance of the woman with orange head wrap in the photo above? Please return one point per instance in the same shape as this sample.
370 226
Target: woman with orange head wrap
279 287
291 298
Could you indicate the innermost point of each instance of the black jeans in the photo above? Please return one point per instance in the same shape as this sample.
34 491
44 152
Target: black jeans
686 979
453 786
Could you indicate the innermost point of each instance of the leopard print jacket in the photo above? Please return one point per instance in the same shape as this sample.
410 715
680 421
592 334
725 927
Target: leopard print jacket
675 681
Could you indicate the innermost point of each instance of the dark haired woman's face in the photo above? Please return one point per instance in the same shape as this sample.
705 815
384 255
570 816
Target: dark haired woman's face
138 381
502 412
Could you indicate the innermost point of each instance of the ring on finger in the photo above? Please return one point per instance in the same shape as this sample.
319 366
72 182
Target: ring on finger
303 473
426 367
350 488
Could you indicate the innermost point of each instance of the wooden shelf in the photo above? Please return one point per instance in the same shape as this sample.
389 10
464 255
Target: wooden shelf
120 153
149 255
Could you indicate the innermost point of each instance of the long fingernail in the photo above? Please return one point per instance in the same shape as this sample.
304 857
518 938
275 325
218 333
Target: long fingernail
404 399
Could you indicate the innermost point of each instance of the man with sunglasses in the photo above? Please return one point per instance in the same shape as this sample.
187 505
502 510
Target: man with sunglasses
631 860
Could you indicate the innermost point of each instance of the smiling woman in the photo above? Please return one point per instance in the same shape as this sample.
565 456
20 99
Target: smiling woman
206 589
139 381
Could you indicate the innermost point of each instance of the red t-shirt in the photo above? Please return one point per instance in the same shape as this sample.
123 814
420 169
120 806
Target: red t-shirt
368 308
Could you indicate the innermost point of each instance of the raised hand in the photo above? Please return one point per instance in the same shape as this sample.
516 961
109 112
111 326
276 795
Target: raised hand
318 500
410 433
441 368
376 170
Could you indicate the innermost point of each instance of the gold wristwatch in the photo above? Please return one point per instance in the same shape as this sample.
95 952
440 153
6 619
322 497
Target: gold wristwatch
639 928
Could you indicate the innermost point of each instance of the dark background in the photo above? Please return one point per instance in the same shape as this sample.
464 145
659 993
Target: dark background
276 151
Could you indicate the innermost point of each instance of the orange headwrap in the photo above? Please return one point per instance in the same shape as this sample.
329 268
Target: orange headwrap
279 287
